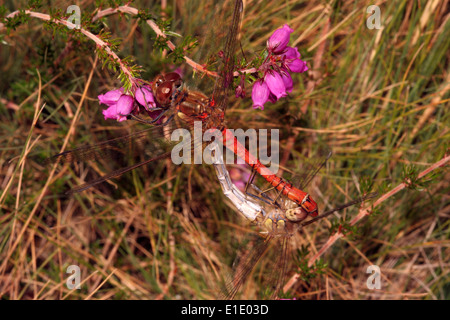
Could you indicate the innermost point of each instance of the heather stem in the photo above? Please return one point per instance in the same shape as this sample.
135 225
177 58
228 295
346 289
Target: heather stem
362 213
158 31
88 34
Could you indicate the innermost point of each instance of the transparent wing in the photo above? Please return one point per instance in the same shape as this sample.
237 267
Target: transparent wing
244 265
278 269
274 256
223 85
114 174
310 168
156 141
210 22
152 139
110 149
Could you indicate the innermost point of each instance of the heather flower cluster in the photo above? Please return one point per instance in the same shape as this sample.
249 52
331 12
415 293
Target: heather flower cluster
273 81
121 105
281 61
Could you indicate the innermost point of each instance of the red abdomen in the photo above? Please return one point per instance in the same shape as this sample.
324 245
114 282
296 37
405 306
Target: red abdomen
298 196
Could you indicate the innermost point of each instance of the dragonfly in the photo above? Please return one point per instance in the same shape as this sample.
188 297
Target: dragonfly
277 220
181 108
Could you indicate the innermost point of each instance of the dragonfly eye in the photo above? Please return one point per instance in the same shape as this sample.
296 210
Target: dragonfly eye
173 77
164 93
296 214
158 80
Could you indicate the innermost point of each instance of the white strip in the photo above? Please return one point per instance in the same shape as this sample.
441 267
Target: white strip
248 208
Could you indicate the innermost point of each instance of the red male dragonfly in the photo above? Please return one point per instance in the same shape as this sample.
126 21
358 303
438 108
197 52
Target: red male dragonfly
181 108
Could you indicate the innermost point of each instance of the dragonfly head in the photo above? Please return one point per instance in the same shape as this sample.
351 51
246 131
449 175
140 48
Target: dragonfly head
164 86
296 214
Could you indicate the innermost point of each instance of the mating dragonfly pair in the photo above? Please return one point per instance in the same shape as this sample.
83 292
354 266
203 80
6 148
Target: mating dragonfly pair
278 217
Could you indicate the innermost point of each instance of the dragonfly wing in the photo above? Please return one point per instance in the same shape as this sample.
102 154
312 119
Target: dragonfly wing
223 85
150 140
273 273
188 144
114 174
107 149
278 271
209 22
310 167
156 141
243 266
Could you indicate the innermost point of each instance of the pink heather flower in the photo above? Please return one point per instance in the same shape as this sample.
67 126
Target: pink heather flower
125 105
287 80
280 62
279 39
260 94
297 65
293 61
275 84
110 113
145 97
272 98
240 89
239 92
121 109
291 53
111 97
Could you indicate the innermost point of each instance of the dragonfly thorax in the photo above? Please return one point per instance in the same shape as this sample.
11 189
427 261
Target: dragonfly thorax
191 103
170 92
274 223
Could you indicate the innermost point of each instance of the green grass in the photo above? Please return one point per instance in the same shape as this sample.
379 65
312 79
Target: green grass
378 98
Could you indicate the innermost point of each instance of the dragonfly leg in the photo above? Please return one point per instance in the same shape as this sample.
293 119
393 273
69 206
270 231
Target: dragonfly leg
279 193
274 188
168 120
139 119
250 184
250 180
134 117
261 195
